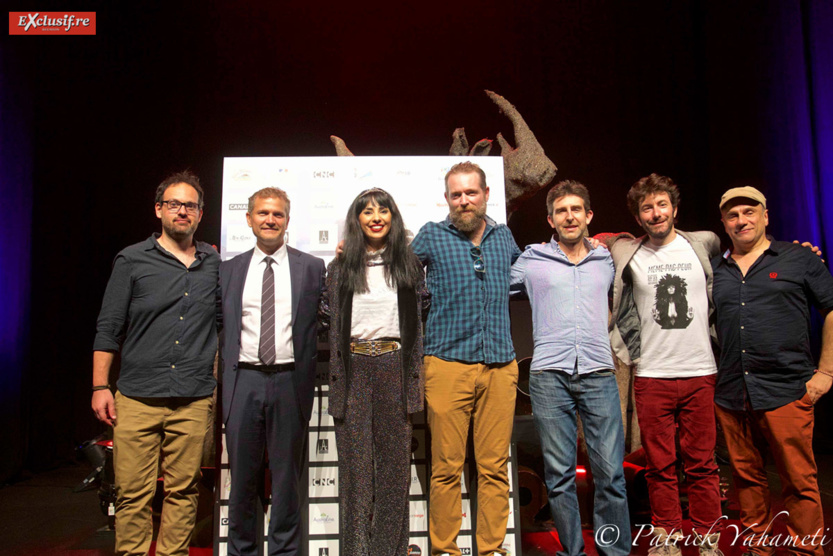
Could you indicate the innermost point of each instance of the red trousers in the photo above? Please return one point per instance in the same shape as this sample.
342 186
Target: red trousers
661 405
788 432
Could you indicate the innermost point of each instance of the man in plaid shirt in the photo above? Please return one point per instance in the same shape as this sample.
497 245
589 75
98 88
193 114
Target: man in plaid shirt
470 368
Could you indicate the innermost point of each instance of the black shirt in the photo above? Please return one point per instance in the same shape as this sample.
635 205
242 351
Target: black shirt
763 325
162 317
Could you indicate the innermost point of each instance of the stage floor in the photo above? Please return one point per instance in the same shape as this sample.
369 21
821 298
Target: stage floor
40 515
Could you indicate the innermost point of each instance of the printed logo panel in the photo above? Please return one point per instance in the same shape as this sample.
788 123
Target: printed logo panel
225 483
419 516
466 525
419 481
322 548
224 521
418 547
326 419
322 446
323 519
323 482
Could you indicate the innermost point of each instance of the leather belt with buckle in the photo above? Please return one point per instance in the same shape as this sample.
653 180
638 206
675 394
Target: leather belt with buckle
374 348
277 368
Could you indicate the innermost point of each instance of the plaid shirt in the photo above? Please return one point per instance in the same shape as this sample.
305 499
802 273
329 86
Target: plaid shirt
469 317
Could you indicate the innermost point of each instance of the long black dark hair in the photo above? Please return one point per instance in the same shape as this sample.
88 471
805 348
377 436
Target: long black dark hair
402 268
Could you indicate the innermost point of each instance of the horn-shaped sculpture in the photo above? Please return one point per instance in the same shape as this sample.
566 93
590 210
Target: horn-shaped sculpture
526 169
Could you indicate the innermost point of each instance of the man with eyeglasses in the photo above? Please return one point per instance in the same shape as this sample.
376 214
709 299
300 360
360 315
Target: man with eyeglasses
470 368
159 313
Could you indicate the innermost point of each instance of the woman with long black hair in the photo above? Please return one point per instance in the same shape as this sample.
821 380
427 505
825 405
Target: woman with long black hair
375 299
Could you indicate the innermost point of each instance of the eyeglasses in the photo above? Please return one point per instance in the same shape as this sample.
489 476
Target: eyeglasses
477 255
174 206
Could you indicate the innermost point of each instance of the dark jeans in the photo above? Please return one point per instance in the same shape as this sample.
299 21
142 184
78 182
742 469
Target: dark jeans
556 397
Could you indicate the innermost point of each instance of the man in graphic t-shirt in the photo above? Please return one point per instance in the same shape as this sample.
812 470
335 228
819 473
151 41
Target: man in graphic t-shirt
662 307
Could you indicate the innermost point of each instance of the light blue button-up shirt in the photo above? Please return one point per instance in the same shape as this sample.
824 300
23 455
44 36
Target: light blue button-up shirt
569 307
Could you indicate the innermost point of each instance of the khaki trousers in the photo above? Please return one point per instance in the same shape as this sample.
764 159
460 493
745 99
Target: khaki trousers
146 428
457 394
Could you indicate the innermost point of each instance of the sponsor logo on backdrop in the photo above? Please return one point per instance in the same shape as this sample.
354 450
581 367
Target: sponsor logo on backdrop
52 23
324 551
465 551
323 174
414 550
323 446
323 518
323 481
238 206
224 521
324 237
242 175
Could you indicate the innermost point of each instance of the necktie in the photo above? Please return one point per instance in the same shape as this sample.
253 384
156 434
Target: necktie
266 350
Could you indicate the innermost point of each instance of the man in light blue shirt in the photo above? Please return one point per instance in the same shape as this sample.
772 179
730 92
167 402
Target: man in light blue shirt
567 282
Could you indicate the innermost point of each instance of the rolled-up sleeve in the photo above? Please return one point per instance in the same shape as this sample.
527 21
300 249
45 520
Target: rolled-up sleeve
517 275
112 319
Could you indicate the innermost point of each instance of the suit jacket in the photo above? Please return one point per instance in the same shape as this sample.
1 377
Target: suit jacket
624 323
307 281
338 311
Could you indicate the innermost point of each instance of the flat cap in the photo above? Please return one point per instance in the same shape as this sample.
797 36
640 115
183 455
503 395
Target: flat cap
747 192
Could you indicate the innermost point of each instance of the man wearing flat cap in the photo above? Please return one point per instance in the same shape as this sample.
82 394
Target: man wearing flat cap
767 379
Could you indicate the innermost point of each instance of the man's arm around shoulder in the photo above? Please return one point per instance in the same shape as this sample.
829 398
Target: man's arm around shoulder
421 244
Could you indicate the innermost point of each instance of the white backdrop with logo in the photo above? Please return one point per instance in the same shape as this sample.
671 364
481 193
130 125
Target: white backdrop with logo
320 190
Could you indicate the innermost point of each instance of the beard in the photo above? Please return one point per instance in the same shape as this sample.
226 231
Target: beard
179 232
469 220
661 233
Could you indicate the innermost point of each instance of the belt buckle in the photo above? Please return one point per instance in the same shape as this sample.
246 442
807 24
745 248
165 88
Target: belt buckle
375 348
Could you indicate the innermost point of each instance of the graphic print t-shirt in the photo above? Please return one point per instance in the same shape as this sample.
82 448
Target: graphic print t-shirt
669 288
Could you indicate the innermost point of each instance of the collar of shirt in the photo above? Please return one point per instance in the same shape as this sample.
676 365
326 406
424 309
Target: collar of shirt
772 249
153 243
278 256
592 254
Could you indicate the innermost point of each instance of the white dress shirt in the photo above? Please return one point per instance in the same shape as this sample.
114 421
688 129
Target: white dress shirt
252 291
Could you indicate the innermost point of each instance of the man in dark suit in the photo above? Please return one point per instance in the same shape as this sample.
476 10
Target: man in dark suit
268 347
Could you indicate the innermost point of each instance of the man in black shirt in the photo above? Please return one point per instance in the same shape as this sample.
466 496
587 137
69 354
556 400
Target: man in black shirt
767 379
159 313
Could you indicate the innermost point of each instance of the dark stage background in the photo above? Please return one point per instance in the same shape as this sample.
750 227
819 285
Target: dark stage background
713 95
